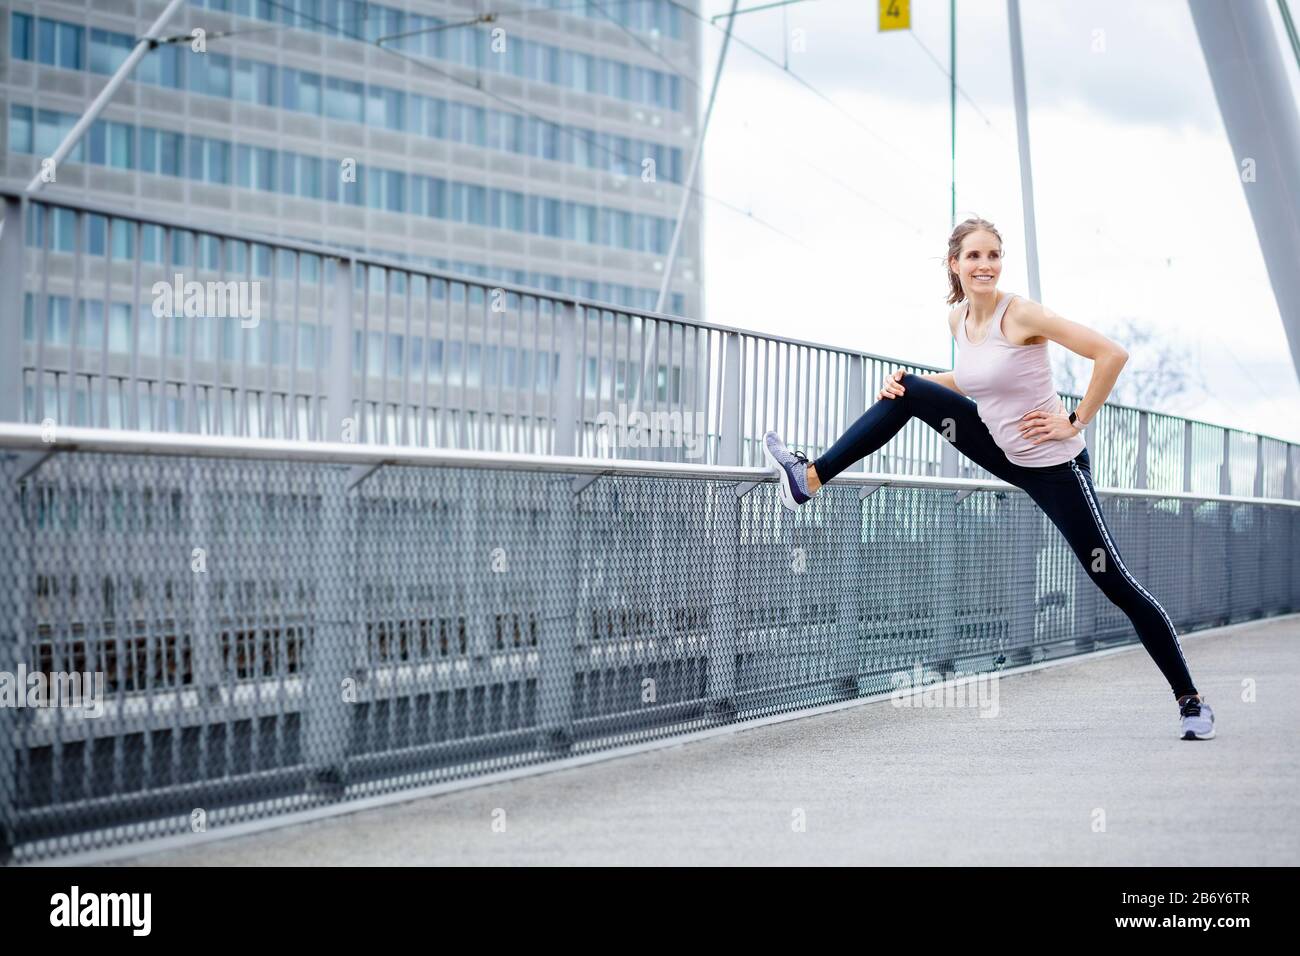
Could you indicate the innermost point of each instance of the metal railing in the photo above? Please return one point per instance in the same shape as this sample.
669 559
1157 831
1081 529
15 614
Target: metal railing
287 627
356 347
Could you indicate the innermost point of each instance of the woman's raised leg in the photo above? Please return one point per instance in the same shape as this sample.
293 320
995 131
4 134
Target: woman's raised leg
951 414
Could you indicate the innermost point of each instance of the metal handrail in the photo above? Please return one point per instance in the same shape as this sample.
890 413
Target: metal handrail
34 439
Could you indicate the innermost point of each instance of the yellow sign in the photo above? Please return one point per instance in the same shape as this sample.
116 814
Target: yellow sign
895 15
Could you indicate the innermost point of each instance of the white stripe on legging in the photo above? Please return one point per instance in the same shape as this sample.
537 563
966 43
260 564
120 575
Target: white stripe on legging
1110 547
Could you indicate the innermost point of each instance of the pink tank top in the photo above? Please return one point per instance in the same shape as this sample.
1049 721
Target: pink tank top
1008 381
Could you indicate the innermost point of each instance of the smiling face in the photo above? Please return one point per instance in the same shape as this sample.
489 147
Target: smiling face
980 263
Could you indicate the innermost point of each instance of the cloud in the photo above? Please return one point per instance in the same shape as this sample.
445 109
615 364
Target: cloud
1132 62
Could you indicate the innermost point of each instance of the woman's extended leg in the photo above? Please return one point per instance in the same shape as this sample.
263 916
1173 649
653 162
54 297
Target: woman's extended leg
1069 499
950 413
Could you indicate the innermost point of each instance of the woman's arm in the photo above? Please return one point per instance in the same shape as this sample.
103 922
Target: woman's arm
945 379
1108 359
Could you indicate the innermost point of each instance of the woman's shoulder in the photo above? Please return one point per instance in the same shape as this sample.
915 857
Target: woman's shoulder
1013 329
953 315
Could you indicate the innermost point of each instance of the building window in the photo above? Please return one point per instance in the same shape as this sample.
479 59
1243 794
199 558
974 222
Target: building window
20 128
51 127
160 152
209 160
112 144
254 82
108 51
343 100
255 168
160 67
301 91
20 36
60 44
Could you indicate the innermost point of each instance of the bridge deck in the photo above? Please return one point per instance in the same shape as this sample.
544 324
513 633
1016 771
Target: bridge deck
886 785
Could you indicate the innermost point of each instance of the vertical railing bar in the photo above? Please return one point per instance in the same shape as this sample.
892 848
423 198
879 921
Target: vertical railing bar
654 408
405 417
731 383
75 314
530 387
614 373
427 370
783 349
364 412
1258 487
241 381
292 430
498 429
106 319
552 412
757 392
710 452
447 418
483 433
316 428
465 431
694 403
42 318
801 397
159 411
611 408
502 431
660 447
189 388
219 425
744 346
1225 469
818 399
443 411
641 374
338 404
386 346
581 317
762 397
681 397
266 330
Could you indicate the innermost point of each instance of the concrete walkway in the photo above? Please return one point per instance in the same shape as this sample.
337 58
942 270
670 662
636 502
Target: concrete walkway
878 784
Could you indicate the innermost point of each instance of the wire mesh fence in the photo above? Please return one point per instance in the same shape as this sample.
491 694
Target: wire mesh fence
262 628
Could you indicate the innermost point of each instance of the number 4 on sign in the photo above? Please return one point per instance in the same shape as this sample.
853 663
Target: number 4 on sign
895 15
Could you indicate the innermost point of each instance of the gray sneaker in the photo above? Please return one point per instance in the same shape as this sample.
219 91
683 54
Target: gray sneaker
1197 720
791 470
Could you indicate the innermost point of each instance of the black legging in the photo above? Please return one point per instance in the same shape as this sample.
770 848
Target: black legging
1064 492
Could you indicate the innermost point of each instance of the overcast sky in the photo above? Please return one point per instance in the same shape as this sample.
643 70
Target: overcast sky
1140 212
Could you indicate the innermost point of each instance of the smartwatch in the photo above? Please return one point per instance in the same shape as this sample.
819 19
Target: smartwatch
1079 426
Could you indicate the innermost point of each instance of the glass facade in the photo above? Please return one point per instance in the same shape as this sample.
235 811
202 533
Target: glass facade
268 84
220 162
473 46
225 72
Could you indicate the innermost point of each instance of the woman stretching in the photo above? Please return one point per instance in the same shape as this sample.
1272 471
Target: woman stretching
1018 432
